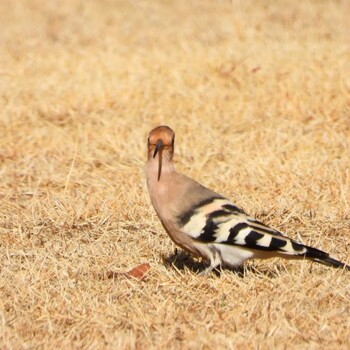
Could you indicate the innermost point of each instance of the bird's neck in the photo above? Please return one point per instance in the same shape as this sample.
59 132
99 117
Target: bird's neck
159 189
152 169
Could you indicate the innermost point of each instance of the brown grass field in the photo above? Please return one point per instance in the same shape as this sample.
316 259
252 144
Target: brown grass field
258 94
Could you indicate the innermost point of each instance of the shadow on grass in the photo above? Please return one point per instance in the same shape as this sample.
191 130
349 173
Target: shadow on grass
182 260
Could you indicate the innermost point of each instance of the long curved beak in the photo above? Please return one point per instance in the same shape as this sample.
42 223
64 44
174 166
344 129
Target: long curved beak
159 149
159 145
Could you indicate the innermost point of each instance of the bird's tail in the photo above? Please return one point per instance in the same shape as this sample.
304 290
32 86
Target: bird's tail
324 258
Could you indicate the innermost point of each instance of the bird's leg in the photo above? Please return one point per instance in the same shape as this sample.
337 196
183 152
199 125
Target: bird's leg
215 261
211 267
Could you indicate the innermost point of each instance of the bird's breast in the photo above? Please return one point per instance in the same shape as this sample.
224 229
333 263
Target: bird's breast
160 195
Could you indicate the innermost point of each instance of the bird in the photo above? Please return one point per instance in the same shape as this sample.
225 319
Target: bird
207 224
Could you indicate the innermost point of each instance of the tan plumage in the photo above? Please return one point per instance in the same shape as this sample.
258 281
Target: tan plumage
208 225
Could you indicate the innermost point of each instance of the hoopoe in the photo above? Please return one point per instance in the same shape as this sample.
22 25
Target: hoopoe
208 225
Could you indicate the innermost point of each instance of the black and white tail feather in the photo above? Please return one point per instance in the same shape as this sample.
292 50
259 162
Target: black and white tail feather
228 236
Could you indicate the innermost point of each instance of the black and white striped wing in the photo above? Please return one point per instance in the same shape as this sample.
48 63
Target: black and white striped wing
217 220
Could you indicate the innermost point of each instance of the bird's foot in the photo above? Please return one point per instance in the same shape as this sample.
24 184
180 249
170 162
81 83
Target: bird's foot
208 269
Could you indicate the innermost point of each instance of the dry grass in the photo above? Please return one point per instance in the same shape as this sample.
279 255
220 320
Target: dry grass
259 96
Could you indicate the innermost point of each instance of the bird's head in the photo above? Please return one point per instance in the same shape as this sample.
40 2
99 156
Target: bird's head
161 144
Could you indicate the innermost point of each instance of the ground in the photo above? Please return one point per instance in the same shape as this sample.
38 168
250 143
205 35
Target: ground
258 94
